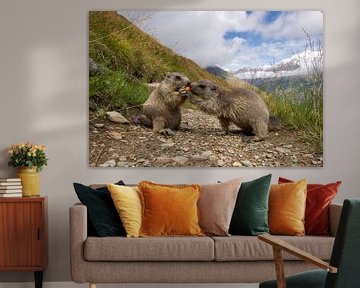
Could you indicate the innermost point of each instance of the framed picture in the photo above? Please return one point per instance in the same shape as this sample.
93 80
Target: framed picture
205 89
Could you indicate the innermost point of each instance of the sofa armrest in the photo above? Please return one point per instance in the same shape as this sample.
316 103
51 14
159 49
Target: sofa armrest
78 235
334 216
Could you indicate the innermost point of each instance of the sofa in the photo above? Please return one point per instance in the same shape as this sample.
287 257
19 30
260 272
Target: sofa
233 259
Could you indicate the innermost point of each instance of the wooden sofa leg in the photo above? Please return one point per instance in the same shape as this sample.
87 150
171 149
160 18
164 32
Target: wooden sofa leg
92 285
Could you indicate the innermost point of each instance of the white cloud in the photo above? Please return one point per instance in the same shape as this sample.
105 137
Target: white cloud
199 35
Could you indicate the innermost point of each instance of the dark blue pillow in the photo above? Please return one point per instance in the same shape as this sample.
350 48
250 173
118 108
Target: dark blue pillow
103 218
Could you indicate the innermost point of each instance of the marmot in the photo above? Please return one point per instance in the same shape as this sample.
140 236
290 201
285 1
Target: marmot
244 108
162 109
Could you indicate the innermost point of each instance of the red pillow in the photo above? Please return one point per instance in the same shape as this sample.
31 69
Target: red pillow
319 197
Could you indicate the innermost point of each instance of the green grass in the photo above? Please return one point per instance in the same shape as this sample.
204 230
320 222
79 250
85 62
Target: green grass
304 115
113 90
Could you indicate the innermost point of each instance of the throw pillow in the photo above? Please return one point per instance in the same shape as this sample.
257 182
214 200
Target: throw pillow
319 197
287 204
250 215
216 206
127 201
169 210
102 215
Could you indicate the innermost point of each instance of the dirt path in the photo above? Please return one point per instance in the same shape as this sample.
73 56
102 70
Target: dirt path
199 143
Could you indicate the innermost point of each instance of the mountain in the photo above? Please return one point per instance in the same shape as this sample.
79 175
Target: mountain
229 77
217 71
300 64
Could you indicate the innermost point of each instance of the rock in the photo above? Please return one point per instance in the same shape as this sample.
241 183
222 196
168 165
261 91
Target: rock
95 131
162 139
220 163
280 150
99 125
94 68
315 162
163 160
116 117
199 158
123 164
269 155
246 163
294 159
142 138
180 160
110 163
288 146
115 155
122 159
256 157
115 135
236 164
167 145
202 157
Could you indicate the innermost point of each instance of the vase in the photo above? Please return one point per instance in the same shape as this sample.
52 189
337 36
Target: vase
30 181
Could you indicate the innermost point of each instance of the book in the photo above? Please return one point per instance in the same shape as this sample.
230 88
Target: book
10 180
10 183
4 195
10 191
9 188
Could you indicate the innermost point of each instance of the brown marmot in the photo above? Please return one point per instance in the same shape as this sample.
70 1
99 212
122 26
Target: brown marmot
162 109
241 106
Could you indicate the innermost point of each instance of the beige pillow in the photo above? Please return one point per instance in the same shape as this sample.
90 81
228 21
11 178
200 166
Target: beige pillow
216 206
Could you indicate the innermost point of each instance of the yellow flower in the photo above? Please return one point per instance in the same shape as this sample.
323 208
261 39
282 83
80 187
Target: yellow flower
11 151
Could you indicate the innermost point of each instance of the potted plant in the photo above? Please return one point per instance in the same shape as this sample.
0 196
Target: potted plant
30 158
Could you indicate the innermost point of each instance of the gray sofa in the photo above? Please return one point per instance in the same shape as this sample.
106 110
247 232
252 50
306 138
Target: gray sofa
234 259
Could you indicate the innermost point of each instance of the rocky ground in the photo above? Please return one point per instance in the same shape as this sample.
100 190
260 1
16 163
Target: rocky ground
199 143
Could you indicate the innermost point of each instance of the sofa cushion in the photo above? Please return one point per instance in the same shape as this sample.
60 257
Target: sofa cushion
127 201
244 248
287 204
102 216
149 249
216 205
169 210
250 215
318 199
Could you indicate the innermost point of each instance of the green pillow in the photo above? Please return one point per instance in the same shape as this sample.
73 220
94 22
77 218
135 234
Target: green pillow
250 216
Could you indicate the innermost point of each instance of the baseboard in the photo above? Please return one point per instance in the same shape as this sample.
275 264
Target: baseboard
74 285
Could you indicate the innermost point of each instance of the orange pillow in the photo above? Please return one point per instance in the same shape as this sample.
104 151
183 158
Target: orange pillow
169 210
287 204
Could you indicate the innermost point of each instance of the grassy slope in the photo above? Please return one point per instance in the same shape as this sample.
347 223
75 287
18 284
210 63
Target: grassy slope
129 58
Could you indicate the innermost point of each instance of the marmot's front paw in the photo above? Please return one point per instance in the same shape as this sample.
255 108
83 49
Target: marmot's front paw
167 132
185 91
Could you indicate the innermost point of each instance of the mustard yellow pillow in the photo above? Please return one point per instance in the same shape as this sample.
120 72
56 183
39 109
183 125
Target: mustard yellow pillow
169 210
127 201
287 204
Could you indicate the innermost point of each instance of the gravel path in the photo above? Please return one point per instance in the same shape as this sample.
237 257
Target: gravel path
199 143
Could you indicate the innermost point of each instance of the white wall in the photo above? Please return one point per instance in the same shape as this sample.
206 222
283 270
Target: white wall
43 90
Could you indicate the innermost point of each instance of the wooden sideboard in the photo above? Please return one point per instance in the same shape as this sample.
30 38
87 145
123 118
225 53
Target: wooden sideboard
23 235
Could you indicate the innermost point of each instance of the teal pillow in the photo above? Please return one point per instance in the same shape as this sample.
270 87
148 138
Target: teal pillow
250 216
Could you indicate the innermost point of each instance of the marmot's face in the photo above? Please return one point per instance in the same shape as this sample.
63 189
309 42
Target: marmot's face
176 80
204 89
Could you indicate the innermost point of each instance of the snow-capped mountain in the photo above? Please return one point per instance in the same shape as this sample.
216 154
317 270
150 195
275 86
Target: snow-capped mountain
297 65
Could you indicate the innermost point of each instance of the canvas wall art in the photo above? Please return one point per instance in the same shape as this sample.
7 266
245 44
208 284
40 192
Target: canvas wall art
205 88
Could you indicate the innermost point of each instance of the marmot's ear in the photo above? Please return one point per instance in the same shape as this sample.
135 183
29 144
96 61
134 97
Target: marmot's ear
215 88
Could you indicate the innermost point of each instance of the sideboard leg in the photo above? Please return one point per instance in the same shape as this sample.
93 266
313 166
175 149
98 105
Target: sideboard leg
38 279
92 285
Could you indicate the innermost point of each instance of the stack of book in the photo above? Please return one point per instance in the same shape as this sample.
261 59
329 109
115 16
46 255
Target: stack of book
10 187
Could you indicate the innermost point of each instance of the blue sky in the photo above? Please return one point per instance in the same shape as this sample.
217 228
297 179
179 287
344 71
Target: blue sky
231 39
